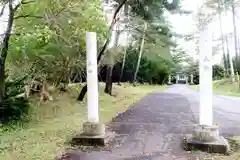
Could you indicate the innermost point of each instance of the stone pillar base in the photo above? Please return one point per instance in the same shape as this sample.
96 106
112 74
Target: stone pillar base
191 83
205 133
169 83
93 134
93 129
207 139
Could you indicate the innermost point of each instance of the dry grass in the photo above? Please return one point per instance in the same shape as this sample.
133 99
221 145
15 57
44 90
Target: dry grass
54 123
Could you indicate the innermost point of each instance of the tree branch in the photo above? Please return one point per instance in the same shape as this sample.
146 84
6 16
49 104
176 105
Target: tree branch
27 16
5 43
110 29
17 34
101 53
17 6
116 13
27 2
22 3
2 10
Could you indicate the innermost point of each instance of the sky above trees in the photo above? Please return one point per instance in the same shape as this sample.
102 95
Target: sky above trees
185 24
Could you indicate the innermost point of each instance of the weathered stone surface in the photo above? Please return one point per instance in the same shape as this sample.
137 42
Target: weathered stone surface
93 134
207 138
93 129
220 145
89 140
205 133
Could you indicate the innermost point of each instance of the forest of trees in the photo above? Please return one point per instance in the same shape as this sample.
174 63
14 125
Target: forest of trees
43 64
43 46
208 13
230 63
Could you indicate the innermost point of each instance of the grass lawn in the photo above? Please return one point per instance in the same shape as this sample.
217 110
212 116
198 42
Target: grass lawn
54 123
223 87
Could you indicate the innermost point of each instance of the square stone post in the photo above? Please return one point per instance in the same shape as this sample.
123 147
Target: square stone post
169 79
205 135
237 77
177 78
93 131
191 79
205 78
186 78
92 79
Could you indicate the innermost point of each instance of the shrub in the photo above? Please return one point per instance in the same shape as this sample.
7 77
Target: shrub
218 72
14 107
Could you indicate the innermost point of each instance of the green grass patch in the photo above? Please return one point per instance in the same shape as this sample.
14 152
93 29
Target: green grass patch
196 87
53 124
223 87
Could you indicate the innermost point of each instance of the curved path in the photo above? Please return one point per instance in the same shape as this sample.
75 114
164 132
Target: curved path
154 127
226 109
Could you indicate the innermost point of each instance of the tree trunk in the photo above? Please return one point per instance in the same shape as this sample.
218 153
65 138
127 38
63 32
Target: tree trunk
82 93
235 35
225 62
238 43
4 50
108 87
2 78
123 65
230 57
126 12
140 54
230 62
234 29
222 39
100 55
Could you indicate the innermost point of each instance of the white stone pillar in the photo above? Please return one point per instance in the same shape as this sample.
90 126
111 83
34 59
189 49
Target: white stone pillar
177 78
205 67
191 80
237 77
92 77
205 136
93 132
169 79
